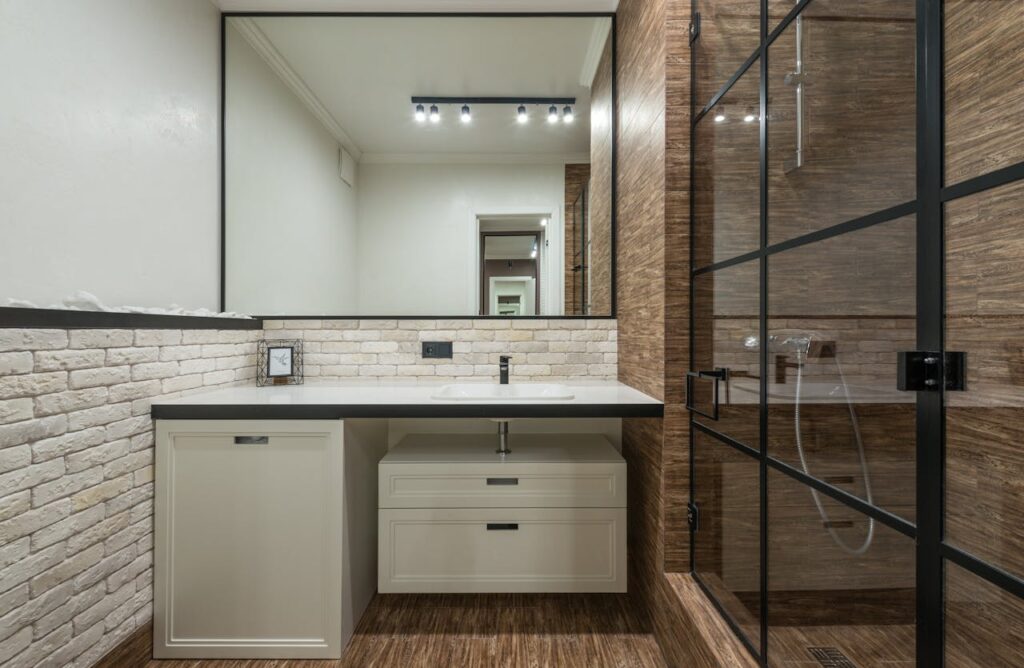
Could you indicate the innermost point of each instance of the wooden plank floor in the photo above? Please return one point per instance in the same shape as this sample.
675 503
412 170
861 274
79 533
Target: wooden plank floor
471 631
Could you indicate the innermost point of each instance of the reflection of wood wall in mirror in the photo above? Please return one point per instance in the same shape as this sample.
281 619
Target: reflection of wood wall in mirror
491 268
576 178
600 205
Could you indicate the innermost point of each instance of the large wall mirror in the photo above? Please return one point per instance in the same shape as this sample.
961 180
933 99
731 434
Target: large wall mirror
436 165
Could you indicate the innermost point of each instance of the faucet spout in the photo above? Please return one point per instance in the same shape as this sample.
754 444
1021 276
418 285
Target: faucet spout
503 369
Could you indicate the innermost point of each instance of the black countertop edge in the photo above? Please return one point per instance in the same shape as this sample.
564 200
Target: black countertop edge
341 411
49 318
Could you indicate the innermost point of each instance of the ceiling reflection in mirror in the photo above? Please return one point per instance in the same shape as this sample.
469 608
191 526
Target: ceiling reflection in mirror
413 166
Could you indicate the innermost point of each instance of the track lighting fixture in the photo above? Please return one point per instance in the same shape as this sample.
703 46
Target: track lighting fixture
427 108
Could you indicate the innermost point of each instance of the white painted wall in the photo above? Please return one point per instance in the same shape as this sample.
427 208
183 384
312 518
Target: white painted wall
291 230
109 145
418 240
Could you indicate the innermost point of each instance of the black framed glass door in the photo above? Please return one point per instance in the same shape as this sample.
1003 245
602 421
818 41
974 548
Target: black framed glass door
857 194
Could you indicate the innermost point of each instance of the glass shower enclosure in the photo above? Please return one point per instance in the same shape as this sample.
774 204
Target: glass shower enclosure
857 300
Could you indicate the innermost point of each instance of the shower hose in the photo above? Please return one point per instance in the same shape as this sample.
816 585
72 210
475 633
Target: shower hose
856 551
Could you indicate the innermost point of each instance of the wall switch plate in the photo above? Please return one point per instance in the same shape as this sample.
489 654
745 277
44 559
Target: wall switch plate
437 350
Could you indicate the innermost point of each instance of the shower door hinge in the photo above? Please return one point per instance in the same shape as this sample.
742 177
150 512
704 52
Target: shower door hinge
926 371
694 28
693 516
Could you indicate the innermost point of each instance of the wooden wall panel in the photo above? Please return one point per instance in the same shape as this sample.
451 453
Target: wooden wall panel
641 277
985 424
576 179
984 86
601 186
984 625
676 446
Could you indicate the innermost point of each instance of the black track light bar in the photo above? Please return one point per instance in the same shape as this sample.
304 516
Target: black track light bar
418 99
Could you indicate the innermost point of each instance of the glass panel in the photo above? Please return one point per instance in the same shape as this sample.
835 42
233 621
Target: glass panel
727 195
984 624
984 86
730 31
837 580
985 423
727 549
841 124
726 309
838 10
838 312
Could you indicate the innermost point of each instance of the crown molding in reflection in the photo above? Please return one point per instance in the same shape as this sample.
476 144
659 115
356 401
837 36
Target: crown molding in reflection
474 159
252 34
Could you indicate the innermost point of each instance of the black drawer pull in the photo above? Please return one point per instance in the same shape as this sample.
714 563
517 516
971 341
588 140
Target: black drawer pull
498 526
252 440
503 481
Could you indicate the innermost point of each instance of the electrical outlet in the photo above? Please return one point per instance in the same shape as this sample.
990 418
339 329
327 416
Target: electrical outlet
437 349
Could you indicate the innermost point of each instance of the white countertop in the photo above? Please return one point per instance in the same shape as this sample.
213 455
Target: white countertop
373 399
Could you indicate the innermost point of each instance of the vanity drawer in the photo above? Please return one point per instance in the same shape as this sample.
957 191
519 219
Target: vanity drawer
501 550
568 485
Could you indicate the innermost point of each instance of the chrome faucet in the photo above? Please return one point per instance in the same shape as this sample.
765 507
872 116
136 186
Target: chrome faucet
503 369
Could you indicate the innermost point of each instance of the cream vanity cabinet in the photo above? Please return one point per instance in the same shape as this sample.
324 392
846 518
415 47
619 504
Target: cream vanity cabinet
454 516
262 547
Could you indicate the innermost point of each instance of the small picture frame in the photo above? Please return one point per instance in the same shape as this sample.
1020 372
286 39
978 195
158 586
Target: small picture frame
279 362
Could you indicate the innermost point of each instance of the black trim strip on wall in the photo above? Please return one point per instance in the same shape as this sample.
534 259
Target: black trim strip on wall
613 297
25 318
435 317
448 410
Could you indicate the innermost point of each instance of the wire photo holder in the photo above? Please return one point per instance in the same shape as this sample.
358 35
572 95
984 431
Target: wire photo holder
279 362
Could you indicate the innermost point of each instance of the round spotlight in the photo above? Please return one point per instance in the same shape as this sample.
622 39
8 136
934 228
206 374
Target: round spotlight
521 115
543 222
749 118
552 114
435 114
421 114
719 118
567 114
466 117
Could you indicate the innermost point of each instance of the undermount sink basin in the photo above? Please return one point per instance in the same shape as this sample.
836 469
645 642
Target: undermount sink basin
511 392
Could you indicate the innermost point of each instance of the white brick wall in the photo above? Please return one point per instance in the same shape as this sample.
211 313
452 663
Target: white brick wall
76 478
391 349
76 446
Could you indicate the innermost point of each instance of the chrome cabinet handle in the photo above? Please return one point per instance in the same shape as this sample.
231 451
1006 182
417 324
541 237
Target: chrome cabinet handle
252 440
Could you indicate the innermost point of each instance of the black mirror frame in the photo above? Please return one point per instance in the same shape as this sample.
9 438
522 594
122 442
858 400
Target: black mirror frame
614 175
